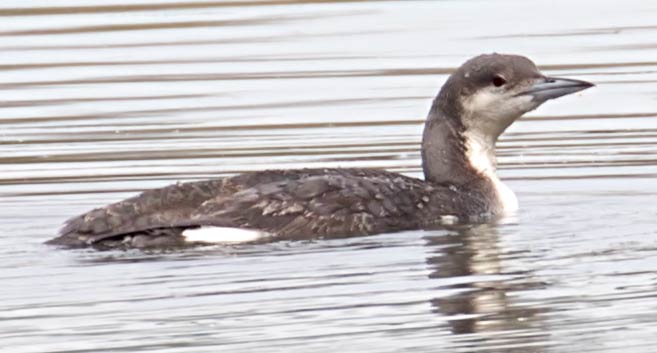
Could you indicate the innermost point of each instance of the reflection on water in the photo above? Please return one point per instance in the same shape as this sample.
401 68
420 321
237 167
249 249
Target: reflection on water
103 99
484 302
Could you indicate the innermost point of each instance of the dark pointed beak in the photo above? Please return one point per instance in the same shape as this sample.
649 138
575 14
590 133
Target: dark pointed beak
552 87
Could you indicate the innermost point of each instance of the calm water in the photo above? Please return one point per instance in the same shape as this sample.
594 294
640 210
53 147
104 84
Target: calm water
100 101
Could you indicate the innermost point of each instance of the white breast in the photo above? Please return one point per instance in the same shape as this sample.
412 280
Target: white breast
481 156
505 195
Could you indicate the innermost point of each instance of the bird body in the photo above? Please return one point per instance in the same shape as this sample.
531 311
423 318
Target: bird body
476 104
280 204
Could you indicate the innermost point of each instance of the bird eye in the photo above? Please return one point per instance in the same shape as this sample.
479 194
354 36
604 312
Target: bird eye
498 81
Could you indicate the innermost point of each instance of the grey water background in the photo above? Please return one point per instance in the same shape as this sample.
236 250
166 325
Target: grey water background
102 99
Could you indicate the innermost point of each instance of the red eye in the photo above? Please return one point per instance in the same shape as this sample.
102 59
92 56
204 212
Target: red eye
498 81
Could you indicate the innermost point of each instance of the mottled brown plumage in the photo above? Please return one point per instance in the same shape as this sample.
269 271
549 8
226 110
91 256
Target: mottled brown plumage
292 204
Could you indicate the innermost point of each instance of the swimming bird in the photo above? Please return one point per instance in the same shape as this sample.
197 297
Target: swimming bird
476 104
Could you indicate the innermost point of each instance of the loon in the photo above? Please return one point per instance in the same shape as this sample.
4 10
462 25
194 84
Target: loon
475 105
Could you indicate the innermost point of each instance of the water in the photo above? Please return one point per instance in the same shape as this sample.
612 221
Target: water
101 100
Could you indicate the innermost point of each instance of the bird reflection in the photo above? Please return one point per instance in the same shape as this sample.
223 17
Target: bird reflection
471 260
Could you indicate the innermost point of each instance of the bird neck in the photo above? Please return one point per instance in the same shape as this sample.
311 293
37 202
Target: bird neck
453 154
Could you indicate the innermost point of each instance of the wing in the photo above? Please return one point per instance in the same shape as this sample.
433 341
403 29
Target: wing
155 213
360 202
293 204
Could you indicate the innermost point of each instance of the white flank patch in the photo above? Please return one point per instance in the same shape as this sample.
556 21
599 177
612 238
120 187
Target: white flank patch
224 235
448 220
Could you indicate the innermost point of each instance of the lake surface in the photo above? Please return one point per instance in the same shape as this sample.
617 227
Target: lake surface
101 99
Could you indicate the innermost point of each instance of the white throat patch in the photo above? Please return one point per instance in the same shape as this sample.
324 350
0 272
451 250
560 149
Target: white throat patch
487 113
490 111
